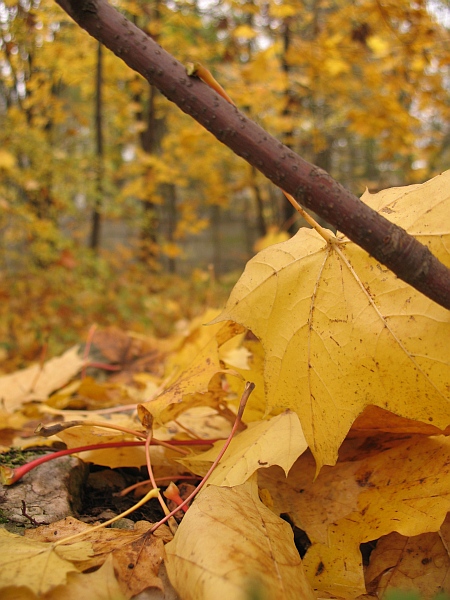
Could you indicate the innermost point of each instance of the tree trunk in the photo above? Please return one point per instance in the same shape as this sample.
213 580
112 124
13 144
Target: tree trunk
169 191
260 220
96 213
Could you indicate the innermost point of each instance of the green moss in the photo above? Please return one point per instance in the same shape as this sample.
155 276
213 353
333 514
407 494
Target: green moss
15 457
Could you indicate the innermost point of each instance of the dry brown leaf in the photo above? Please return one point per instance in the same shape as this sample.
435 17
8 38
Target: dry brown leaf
137 554
228 542
135 353
39 381
57 530
418 564
137 561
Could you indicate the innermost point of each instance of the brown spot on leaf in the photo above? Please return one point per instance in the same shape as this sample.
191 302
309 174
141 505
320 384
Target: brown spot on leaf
320 569
363 480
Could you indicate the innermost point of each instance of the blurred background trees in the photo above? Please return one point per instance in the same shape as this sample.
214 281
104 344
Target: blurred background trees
117 208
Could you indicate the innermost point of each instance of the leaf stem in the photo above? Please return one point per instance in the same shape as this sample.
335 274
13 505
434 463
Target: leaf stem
249 387
172 523
158 480
151 494
327 235
9 476
55 429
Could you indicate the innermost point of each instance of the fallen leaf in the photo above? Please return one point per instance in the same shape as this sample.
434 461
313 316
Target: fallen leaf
102 395
137 562
36 565
85 435
187 380
375 420
122 347
18 593
39 381
340 332
418 564
56 530
255 409
278 441
403 487
256 549
203 421
137 554
102 585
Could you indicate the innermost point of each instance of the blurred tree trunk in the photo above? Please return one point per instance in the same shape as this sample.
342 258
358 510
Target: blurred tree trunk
96 214
216 240
288 211
169 191
260 220
150 139
261 224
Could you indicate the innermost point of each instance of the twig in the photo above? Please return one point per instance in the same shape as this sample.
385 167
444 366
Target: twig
315 188
29 517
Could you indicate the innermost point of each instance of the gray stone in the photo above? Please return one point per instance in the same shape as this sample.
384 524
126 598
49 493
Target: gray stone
46 494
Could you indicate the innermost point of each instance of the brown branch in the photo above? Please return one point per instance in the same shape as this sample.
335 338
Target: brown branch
316 189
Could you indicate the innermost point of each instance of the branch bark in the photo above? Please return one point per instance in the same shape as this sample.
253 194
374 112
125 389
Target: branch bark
313 187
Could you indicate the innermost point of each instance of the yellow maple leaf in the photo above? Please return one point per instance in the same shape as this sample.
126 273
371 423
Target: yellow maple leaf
102 585
36 565
402 487
256 549
278 441
194 372
126 456
340 332
191 381
255 409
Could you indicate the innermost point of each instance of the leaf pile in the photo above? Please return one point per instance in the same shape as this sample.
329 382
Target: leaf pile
343 443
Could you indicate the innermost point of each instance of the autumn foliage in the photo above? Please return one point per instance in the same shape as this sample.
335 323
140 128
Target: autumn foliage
335 482
351 370
311 80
